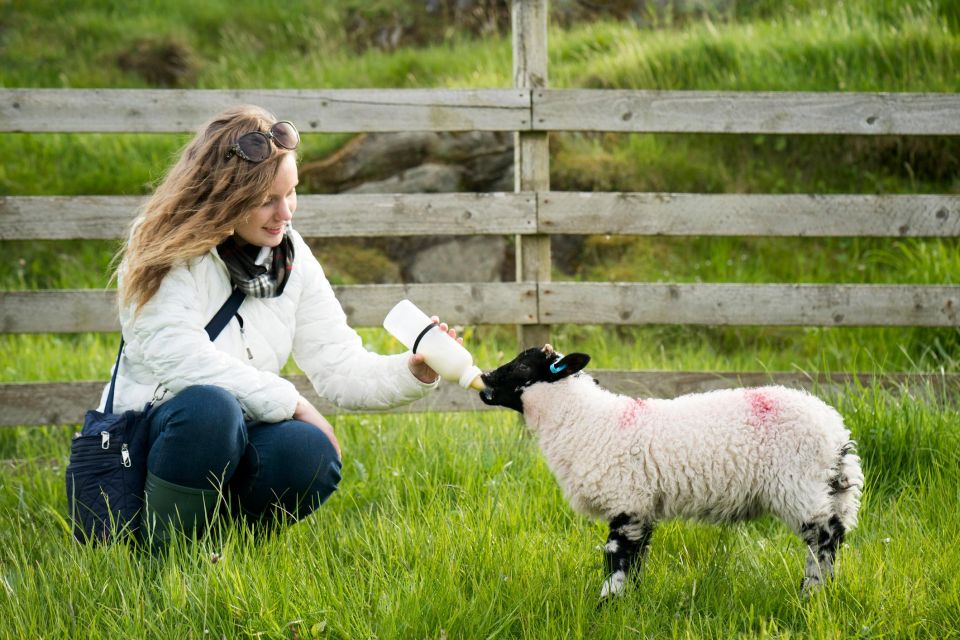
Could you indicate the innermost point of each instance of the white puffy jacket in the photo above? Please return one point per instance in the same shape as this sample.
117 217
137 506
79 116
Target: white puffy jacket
166 344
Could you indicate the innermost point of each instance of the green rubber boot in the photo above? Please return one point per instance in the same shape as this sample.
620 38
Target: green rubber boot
173 509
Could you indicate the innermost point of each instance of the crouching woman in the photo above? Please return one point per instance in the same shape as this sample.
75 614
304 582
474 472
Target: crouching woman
224 420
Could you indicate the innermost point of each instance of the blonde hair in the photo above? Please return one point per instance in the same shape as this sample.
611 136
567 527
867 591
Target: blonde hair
199 203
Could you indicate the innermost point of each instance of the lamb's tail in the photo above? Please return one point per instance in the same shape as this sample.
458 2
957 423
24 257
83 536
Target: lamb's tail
846 485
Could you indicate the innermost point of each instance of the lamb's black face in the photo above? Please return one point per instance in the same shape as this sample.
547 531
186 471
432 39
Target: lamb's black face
505 385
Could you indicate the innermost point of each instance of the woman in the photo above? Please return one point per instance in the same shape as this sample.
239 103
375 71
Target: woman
223 418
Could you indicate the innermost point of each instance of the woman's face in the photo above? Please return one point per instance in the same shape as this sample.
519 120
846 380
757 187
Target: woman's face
266 224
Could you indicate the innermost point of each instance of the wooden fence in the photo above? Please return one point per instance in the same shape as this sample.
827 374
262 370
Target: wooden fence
532 213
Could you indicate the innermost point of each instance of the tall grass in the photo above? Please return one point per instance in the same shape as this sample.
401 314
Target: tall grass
844 49
451 526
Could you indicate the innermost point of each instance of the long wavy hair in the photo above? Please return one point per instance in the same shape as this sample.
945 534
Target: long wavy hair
197 205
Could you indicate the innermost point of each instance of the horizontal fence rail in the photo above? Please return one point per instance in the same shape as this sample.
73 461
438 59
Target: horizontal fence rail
746 112
690 214
524 213
750 304
93 310
318 216
35 403
375 110
328 111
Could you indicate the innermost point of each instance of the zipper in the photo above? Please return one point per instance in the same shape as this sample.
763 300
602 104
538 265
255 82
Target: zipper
88 453
243 337
94 458
158 394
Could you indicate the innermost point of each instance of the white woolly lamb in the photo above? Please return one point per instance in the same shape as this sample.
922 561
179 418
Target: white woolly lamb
720 456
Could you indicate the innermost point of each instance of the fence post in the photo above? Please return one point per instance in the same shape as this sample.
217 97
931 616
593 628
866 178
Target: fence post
531 151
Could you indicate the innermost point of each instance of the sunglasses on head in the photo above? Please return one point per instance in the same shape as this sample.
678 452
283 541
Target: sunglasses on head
255 146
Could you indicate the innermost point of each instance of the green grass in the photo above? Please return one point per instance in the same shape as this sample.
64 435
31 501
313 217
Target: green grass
451 526
844 49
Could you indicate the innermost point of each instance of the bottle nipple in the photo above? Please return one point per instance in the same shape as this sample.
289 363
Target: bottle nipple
470 378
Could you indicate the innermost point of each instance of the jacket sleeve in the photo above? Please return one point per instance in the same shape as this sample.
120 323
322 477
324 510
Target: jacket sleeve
168 336
333 356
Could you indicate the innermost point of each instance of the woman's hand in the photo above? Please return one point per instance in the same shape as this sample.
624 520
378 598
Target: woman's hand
306 412
419 368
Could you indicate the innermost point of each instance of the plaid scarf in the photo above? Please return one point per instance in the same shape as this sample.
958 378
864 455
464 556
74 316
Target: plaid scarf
264 280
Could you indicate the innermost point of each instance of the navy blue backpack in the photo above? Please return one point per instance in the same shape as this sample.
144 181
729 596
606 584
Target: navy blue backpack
108 459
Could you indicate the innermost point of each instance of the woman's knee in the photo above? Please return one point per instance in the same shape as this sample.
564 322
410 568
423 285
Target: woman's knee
210 413
317 474
198 432
211 404
299 470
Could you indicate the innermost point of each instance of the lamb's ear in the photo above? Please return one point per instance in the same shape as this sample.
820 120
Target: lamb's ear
568 365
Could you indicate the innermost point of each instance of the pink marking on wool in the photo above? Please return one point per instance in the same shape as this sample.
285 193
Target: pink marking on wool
762 407
629 416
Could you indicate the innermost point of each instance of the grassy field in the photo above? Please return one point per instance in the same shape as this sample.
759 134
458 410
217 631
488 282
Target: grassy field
450 525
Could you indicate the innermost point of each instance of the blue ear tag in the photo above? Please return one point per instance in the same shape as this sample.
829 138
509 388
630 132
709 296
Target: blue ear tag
555 369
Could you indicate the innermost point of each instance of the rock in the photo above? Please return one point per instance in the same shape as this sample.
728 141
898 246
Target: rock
425 162
366 158
484 156
163 62
427 178
467 259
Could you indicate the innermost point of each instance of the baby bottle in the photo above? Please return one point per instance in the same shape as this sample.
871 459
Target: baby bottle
446 356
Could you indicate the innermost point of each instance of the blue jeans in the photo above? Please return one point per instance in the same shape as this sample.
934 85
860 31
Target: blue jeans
268 471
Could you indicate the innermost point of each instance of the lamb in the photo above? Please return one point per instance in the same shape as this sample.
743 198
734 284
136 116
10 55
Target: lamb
720 456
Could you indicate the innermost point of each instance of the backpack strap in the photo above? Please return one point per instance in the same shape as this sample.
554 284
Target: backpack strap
213 329
222 317
108 407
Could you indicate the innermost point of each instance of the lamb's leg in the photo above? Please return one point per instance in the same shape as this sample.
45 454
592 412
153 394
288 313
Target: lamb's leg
823 540
626 546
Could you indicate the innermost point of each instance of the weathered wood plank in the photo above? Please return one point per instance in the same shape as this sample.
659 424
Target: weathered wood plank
746 112
318 216
39 403
42 403
67 217
671 214
340 110
70 311
58 311
94 310
689 214
750 304
332 110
